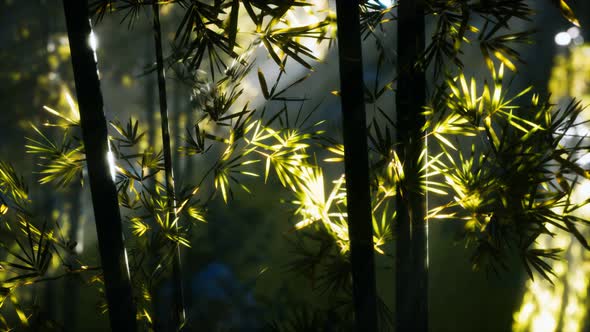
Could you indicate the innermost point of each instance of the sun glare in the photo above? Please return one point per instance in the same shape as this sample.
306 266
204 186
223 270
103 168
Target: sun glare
383 3
112 165
93 41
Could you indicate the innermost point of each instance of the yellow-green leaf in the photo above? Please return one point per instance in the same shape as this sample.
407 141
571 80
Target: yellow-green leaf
567 12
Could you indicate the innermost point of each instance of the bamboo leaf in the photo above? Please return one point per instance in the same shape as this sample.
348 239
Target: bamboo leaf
566 11
263 84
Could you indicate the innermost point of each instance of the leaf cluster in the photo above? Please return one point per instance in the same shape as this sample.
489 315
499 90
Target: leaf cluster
516 182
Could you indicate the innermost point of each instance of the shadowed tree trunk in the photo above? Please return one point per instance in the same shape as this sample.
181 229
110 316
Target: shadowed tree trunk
356 164
411 227
177 312
104 194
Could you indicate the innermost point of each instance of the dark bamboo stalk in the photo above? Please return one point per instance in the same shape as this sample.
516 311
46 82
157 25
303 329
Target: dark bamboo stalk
48 199
72 284
411 226
178 313
150 98
104 193
188 163
50 305
356 165
178 123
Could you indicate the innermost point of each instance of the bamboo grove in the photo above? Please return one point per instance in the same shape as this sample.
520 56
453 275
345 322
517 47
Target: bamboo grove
454 148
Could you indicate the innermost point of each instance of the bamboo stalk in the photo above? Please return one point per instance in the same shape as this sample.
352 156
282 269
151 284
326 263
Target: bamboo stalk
71 284
178 312
150 97
411 226
113 256
356 165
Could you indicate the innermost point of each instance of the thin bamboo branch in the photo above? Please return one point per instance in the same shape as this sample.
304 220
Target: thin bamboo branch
178 312
356 165
150 98
113 256
71 285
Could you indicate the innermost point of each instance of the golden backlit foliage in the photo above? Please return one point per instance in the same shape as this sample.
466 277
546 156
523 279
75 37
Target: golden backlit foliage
562 305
